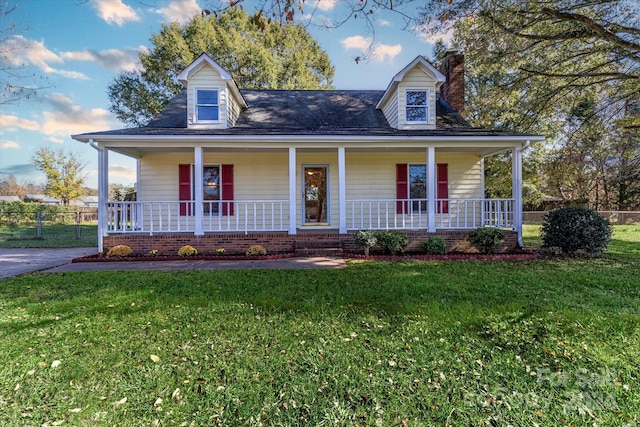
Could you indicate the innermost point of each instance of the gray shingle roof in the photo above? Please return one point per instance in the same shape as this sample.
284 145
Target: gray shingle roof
305 112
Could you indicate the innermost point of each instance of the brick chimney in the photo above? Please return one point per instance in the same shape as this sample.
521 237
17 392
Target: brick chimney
453 89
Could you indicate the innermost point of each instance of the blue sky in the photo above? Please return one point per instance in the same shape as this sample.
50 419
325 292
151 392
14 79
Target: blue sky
79 46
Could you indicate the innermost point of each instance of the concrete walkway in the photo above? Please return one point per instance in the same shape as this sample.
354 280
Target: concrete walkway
14 262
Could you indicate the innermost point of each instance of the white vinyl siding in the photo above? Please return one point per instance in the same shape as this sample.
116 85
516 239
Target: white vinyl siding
265 175
207 78
390 110
416 80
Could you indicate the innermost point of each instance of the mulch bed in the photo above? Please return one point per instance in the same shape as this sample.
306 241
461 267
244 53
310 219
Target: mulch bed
357 256
146 258
447 257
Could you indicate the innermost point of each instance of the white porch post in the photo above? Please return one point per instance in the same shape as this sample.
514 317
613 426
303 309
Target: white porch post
342 191
431 189
197 154
292 191
516 191
103 194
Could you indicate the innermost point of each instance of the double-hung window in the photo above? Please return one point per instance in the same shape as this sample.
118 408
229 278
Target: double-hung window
207 105
417 106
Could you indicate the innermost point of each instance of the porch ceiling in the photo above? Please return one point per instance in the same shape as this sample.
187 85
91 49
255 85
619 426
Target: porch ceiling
481 148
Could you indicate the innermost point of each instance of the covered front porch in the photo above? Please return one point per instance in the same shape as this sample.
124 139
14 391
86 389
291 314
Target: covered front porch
356 188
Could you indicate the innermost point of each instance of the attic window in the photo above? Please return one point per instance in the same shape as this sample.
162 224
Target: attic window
417 107
207 105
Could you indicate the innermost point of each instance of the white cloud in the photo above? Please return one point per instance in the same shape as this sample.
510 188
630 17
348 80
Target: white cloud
66 118
356 42
180 11
115 12
9 145
326 5
122 171
19 51
9 121
112 59
385 51
384 23
56 140
379 52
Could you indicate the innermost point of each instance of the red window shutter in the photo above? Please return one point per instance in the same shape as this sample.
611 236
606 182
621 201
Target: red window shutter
443 187
184 188
402 188
227 189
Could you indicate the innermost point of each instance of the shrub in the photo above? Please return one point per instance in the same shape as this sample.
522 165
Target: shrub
435 246
365 239
256 250
392 241
187 250
220 251
486 239
153 252
119 251
576 228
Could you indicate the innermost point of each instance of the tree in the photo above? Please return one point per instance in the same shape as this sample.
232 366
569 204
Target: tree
122 193
257 51
64 173
563 77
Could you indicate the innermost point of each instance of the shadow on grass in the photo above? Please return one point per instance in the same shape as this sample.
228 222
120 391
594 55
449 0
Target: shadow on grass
452 290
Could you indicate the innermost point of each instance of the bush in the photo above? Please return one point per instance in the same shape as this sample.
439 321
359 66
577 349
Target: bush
576 228
256 250
392 242
435 246
365 239
119 251
486 239
187 250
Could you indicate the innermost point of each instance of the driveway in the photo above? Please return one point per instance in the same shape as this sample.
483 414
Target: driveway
16 261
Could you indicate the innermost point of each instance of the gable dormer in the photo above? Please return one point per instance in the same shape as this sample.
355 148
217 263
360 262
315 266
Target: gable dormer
213 98
410 99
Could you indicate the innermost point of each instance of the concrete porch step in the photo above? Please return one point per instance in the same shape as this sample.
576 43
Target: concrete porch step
325 252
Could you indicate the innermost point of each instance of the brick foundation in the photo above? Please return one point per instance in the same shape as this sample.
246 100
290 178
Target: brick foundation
168 244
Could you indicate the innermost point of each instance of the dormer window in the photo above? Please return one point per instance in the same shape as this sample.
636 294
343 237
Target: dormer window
417 106
207 105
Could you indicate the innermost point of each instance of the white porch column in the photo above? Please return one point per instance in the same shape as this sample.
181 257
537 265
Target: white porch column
342 191
103 194
431 189
197 154
516 190
293 217
482 177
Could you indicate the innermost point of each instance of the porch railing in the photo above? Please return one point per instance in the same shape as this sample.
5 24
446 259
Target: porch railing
273 215
179 216
390 214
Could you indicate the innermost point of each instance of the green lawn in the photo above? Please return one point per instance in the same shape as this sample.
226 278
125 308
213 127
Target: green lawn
408 343
53 236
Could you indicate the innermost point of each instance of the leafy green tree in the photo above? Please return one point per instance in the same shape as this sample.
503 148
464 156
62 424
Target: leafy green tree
258 52
64 172
567 70
122 193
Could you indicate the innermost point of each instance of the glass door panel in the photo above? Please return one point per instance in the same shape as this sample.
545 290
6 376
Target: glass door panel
315 195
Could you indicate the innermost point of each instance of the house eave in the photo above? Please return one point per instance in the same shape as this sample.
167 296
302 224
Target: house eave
306 138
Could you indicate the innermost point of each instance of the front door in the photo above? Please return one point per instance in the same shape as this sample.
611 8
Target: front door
316 194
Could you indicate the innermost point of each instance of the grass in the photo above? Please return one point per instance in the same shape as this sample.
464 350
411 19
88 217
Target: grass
53 236
407 343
